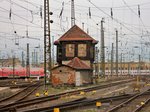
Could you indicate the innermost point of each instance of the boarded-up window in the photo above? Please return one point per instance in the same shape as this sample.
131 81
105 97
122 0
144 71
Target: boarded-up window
70 49
82 50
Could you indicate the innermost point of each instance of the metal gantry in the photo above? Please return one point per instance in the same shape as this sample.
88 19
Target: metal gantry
47 41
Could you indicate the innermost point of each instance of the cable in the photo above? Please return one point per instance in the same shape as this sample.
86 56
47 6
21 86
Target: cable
90 25
33 4
23 8
20 24
83 6
135 14
113 18
20 16
11 2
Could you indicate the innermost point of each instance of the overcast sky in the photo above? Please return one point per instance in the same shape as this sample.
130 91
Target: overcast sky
25 16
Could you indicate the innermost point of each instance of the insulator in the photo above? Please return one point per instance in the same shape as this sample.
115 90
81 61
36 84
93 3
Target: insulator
51 21
51 13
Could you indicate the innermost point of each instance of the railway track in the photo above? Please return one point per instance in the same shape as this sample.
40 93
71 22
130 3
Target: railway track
19 96
35 101
134 104
4 83
77 103
15 83
142 106
68 106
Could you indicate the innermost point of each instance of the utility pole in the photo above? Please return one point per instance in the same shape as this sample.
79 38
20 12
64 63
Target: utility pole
1 59
149 63
53 51
139 64
96 62
108 62
112 58
13 66
121 64
36 58
117 52
33 62
23 63
72 13
83 26
129 64
102 49
28 62
47 40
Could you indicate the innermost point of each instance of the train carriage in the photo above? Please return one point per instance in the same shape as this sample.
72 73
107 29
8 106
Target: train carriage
36 72
5 71
20 72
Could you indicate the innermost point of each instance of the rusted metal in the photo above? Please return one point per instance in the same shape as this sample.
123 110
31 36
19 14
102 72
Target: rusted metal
47 41
20 95
79 102
114 109
141 106
57 96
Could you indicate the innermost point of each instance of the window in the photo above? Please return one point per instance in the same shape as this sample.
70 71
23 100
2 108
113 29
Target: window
82 50
70 49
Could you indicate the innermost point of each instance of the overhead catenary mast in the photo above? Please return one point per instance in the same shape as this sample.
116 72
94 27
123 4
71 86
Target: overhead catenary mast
96 62
28 62
47 40
112 59
117 52
14 66
72 13
102 49
23 62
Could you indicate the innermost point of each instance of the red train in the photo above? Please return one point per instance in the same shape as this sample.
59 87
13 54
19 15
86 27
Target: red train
20 72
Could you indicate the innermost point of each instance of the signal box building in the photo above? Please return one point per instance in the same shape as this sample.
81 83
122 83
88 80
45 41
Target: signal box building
75 56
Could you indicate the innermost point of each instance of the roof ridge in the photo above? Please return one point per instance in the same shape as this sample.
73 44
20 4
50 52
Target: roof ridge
78 64
75 33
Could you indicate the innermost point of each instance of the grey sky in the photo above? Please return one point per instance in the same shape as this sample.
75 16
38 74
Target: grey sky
26 16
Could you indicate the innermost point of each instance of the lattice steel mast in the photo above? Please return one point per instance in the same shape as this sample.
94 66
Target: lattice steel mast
47 41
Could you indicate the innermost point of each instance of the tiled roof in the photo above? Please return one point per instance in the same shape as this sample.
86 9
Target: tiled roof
78 64
75 34
61 66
